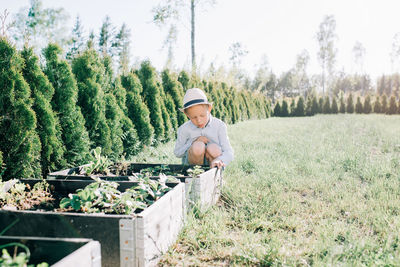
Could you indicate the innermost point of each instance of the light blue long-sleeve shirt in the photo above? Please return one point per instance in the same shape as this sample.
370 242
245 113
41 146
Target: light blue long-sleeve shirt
215 131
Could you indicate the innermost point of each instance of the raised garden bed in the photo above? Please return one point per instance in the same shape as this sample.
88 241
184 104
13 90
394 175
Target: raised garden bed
126 240
57 252
204 189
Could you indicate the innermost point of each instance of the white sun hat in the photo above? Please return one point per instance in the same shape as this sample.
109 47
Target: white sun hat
194 96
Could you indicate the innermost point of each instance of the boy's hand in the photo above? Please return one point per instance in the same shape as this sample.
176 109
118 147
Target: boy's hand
217 163
203 139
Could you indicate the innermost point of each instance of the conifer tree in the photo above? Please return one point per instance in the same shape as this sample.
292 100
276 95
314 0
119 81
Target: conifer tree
48 127
174 88
350 104
308 106
130 137
19 142
342 108
315 106
392 106
123 136
320 104
326 109
137 110
292 109
367 105
151 96
284 108
398 106
184 79
64 102
277 109
77 40
1 165
334 106
89 70
377 105
114 118
359 106
299 111
169 128
384 105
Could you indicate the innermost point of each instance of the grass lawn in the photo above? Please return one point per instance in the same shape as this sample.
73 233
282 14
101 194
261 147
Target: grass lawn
322 190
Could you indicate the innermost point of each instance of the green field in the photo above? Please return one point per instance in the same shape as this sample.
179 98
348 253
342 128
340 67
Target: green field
322 190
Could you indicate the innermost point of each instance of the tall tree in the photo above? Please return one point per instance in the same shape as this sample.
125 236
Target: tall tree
107 32
171 11
122 46
48 127
326 37
39 26
19 141
77 42
64 102
301 80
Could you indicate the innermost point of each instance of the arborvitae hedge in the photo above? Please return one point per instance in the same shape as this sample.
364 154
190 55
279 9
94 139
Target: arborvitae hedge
326 108
113 115
130 137
168 127
48 128
342 108
384 105
174 88
377 105
19 142
137 110
320 105
277 109
292 109
392 106
299 111
89 72
315 105
367 105
359 106
151 96
350 104
184 79
64 102
284 108
334 106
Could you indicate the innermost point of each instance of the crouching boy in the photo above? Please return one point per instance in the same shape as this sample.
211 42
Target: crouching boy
202 140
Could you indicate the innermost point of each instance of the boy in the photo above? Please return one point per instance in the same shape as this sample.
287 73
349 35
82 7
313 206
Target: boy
203 139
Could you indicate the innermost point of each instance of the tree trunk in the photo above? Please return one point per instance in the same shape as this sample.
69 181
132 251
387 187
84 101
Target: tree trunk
192 6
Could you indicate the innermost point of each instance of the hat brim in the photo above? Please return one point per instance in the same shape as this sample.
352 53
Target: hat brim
203 103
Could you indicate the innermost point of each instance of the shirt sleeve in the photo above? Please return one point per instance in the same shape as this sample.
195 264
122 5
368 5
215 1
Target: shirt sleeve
227 151
183 142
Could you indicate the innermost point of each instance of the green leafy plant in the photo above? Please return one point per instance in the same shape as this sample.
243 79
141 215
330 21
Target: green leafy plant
17 259
100 164
197 170
103 196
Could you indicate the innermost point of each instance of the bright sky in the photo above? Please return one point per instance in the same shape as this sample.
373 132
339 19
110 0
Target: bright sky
279 29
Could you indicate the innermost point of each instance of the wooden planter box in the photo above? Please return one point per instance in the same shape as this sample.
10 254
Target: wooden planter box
137 240
59 252
204 190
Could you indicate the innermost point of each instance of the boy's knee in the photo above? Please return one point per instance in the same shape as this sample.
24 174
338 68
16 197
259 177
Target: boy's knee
214 150
198 148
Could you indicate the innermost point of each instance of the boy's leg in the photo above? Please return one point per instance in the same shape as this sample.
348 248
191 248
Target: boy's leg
196 153
213 151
